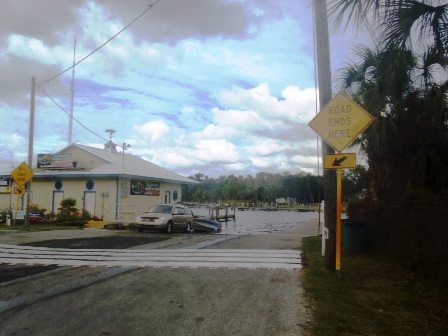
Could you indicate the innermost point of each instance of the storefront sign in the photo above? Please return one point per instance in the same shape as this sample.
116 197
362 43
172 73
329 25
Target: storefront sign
148 188
63 160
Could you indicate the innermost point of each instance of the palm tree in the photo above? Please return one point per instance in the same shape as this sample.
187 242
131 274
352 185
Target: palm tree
399 82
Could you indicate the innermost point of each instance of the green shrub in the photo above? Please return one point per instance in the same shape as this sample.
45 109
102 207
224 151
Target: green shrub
354 207
68 203
51 217
68 213
424 197
85 215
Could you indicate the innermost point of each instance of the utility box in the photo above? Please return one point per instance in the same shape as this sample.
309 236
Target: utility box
354 236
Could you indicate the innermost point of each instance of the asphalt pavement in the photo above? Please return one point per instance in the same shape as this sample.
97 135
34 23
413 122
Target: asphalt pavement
158 301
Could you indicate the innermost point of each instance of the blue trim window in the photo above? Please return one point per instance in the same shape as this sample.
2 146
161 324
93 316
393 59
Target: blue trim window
90 185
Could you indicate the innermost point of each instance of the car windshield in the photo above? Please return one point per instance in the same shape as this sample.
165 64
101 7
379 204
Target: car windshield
160 209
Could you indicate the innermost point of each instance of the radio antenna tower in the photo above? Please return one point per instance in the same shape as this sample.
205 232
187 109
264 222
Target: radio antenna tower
72 97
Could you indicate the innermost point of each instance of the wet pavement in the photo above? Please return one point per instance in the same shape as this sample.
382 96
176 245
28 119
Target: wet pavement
109 242
9 272
12 272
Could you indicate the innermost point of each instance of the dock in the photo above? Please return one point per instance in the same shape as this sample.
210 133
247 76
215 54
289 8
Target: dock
304 208
216 214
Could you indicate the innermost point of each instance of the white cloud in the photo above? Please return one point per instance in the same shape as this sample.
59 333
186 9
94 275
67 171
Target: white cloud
300 159
236 166
295 104
153 130
216 150
218 132
243 119
266 147
172 157
233 93
261 162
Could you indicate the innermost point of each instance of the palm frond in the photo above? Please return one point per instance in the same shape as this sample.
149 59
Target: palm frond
431 22
429 60
351 11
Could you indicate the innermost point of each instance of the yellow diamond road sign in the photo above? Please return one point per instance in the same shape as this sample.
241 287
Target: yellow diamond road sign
341 121
22 174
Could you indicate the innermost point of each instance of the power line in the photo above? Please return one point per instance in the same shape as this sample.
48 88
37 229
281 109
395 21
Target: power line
80 123
101 46
44 83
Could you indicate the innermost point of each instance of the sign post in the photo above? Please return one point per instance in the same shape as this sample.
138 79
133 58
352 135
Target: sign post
339 123
338 218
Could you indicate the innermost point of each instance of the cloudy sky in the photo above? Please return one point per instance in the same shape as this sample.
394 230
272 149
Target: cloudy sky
216 87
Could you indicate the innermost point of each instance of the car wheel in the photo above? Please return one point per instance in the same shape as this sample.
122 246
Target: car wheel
188 229
169 227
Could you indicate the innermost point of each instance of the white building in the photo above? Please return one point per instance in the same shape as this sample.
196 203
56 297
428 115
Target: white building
109 184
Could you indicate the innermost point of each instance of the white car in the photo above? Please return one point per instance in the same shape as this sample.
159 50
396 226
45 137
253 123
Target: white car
168 217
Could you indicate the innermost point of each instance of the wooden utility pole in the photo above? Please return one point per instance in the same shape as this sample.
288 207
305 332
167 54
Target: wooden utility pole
30 150
325 95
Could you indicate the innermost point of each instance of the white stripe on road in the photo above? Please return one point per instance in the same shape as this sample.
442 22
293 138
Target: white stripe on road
210 258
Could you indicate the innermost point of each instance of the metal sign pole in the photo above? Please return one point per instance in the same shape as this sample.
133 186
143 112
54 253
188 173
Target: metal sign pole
338 218
339 123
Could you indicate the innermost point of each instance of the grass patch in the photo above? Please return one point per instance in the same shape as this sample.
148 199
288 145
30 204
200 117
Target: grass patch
372 296
35 227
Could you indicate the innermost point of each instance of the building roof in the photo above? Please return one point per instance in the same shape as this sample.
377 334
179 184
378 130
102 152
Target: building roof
116 164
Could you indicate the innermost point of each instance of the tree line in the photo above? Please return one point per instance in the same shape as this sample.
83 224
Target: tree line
267 188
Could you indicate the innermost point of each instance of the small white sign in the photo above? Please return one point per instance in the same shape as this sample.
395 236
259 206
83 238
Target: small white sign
18 214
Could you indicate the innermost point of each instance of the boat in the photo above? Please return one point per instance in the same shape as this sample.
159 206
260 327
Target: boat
201 223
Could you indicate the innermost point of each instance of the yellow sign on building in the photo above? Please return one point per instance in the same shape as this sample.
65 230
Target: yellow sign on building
341 121
5 190
22 174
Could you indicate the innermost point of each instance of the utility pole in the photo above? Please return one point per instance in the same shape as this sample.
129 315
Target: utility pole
30 150
325 95
124 147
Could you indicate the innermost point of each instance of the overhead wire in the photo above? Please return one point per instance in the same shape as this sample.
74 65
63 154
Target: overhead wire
44 83
80 123
101 46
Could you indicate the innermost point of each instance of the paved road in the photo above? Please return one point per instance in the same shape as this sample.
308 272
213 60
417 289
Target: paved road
209 258
167 300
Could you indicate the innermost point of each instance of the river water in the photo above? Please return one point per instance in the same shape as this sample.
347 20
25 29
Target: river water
260 221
